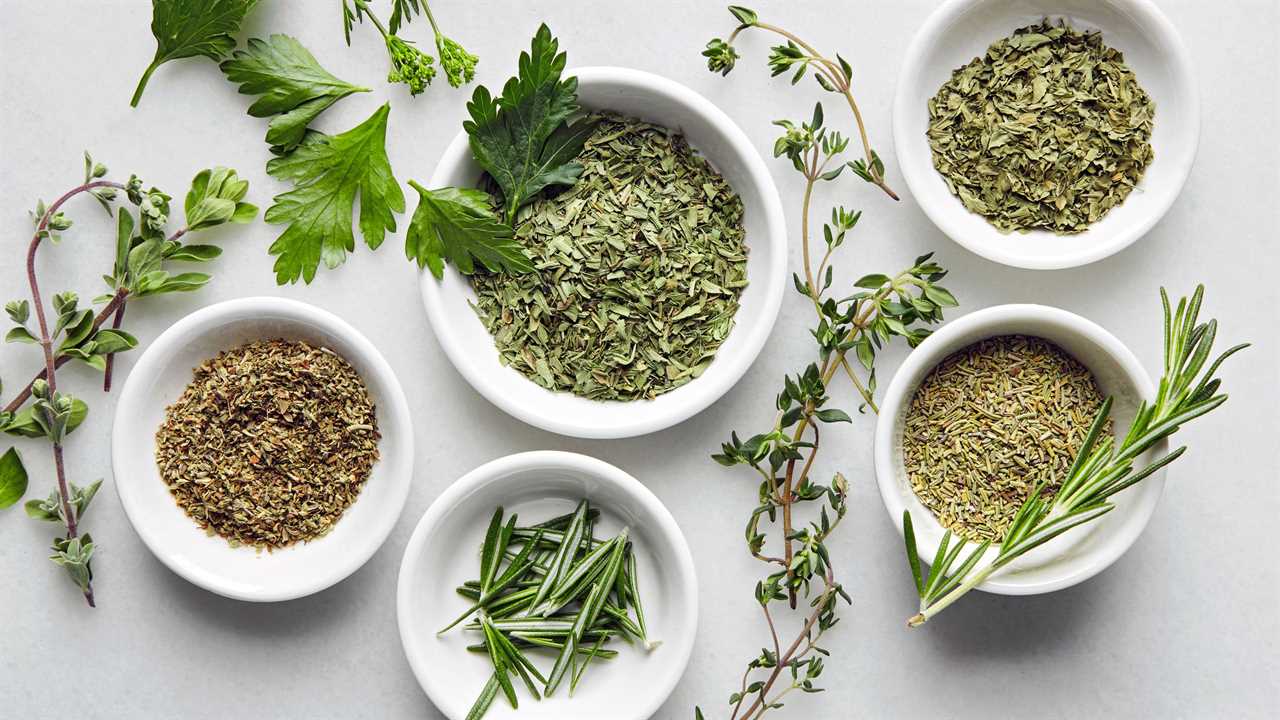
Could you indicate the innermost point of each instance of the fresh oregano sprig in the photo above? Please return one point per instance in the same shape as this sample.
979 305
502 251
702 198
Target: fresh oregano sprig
140 268
797 57
877 309
1188 389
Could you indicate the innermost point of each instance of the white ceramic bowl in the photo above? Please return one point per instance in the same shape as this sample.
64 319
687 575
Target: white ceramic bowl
444 551
960 30
716 137
1078 554
159 378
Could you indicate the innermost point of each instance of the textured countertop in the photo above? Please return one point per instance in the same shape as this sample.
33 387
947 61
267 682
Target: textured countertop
1184 625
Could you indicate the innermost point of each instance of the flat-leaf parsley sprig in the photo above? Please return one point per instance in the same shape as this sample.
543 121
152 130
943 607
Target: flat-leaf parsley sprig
798 58
143 257
877 309
190 28
1102 468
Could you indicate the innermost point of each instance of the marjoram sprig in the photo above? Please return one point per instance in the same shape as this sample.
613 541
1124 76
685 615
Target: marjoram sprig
877 309
799 58
142 255
1188 389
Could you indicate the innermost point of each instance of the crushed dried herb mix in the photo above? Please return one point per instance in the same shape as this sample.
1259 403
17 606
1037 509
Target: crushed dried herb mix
639 267
269 443
1048 130
991 422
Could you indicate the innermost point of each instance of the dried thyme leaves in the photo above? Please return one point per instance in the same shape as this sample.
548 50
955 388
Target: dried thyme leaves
989 423
1048 130
270 443
639 267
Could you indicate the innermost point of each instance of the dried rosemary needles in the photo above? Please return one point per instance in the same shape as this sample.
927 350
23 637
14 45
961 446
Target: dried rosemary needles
991 423
639 267
270 443
551 587
1048 130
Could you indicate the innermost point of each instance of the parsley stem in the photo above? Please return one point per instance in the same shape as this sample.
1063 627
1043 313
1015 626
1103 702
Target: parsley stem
142 83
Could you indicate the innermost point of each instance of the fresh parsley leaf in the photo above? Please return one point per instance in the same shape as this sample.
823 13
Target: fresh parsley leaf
13 478
523 139
187 28
328 172
458 225
292 85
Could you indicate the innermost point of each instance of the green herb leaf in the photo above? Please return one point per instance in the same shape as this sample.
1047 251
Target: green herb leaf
328 172
13 478
24 423
215 198
292 85
458 226
522 138
187 28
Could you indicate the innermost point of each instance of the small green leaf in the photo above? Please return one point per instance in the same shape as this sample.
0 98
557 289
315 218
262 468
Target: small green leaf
20 334
13 478
457 225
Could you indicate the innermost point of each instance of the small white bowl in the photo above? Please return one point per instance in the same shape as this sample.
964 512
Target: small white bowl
961 30
1078 554
444 551
243 573
710 131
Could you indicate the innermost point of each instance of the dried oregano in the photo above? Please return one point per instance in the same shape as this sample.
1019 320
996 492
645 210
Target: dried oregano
989 424
1048 130
639 267
270 443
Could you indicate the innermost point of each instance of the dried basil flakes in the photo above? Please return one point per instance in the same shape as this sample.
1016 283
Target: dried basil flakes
990 423
639 267
1048 130
269 443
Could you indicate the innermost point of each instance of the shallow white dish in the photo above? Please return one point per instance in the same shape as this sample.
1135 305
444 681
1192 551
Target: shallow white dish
444 552
158 379
713 134
1078 554
960 30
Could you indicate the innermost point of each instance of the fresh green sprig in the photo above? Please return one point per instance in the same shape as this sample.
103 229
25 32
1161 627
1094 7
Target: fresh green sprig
1102 468
798 58
562 591
877 309
141 268
410 65
190 28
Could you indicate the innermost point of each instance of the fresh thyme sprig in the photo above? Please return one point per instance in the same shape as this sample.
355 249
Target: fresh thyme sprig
1101 468
410 65
880 308
798 57
143 252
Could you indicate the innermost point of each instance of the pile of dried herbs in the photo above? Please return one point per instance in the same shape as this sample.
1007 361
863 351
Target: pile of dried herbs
992 422
1048 130
270 443
638 270
551 587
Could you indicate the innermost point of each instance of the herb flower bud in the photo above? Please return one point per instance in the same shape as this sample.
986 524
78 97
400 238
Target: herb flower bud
409 65
459 65
720 56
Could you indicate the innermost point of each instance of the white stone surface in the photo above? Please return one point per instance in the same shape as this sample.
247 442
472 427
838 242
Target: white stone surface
1183 626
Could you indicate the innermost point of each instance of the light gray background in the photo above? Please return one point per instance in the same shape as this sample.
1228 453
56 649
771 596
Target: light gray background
1185 625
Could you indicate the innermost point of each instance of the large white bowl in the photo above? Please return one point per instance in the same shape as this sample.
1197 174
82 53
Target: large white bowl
159 378
444 551
1078 554
650 97
960 30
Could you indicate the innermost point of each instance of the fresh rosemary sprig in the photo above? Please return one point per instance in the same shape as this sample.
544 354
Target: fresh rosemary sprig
1188 389
143 253
798 57
563 590
880 308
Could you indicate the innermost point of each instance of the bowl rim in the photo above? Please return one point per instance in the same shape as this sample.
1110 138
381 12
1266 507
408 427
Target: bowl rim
916 176
925 357
393 405
499 470
726 370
